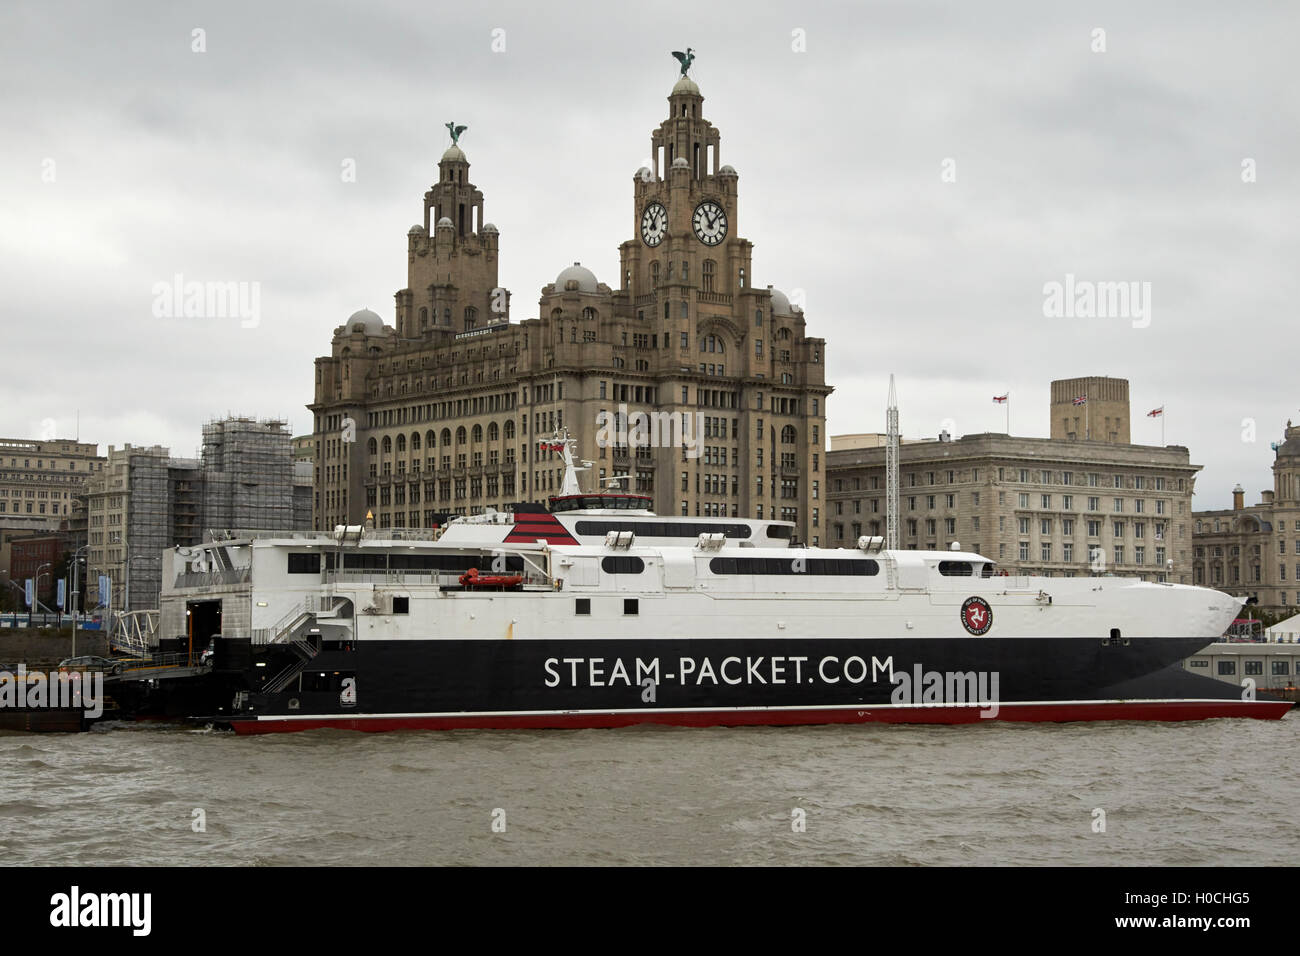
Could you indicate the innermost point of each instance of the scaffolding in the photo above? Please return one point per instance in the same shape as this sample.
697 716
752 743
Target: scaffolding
248 474
244 478
149 525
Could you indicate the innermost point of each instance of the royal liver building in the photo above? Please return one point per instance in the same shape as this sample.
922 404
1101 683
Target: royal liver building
685 377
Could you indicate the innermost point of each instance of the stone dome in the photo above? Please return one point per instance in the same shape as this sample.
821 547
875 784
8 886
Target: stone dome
445 223
780 304
454 154
584 277
681 163
644 174
489 227
416 230
366 322
728 171
1289 448
686 85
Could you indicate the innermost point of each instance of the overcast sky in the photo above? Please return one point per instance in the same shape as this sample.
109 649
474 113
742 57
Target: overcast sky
128 159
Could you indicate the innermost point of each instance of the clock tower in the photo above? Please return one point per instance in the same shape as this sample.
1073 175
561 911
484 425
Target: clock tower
684 209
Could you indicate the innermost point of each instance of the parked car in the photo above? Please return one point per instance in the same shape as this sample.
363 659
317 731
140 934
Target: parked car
91 662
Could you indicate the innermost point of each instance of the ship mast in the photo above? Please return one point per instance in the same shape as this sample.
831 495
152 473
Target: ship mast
566 445
891 468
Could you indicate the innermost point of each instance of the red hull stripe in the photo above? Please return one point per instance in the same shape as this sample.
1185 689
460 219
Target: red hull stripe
1035 712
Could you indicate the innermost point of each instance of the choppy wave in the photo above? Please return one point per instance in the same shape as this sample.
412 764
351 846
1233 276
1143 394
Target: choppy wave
1201 794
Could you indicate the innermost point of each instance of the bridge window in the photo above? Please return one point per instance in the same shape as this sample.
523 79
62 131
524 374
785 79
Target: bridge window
828 567
623 564
304 563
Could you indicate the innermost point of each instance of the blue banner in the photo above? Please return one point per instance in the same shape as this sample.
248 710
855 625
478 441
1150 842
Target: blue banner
31 592
63 595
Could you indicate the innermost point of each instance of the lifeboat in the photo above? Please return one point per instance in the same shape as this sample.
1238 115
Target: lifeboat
473 579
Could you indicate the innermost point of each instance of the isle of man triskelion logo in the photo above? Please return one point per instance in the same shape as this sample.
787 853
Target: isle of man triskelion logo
976 616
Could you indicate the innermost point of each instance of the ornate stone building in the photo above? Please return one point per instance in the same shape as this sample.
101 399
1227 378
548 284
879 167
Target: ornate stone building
443 411
1254 551
1053 506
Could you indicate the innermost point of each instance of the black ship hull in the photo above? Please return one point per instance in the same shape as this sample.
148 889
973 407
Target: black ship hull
446 684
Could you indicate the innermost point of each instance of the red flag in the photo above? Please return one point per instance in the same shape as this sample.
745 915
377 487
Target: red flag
1000 399
1156 412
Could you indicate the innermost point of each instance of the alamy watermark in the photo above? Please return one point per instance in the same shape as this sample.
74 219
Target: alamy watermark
922 688
1085 299
208 300
57 690
651 430
127 910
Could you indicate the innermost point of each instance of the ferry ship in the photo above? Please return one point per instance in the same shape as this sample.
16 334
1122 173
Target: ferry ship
599 613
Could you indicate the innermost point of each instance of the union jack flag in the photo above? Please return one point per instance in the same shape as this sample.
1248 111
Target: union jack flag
1000 399
1081 400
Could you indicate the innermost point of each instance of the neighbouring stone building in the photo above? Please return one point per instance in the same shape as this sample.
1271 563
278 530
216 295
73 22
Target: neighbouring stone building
1052 506
41 481
44 478
443 411
1254 551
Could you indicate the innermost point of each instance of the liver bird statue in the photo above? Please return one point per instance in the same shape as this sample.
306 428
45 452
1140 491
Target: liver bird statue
686 59
455 131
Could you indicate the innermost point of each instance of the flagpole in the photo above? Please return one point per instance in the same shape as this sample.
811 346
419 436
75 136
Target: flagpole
1008 413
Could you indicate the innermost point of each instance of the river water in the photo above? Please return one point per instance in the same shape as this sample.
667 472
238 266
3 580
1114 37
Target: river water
1204 793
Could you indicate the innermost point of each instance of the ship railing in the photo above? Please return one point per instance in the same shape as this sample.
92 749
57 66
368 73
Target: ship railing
219 535
286 626
135 632
162 662
204 579
532 578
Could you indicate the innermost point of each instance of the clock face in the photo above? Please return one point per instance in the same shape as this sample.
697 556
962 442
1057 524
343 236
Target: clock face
710 222
654 224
